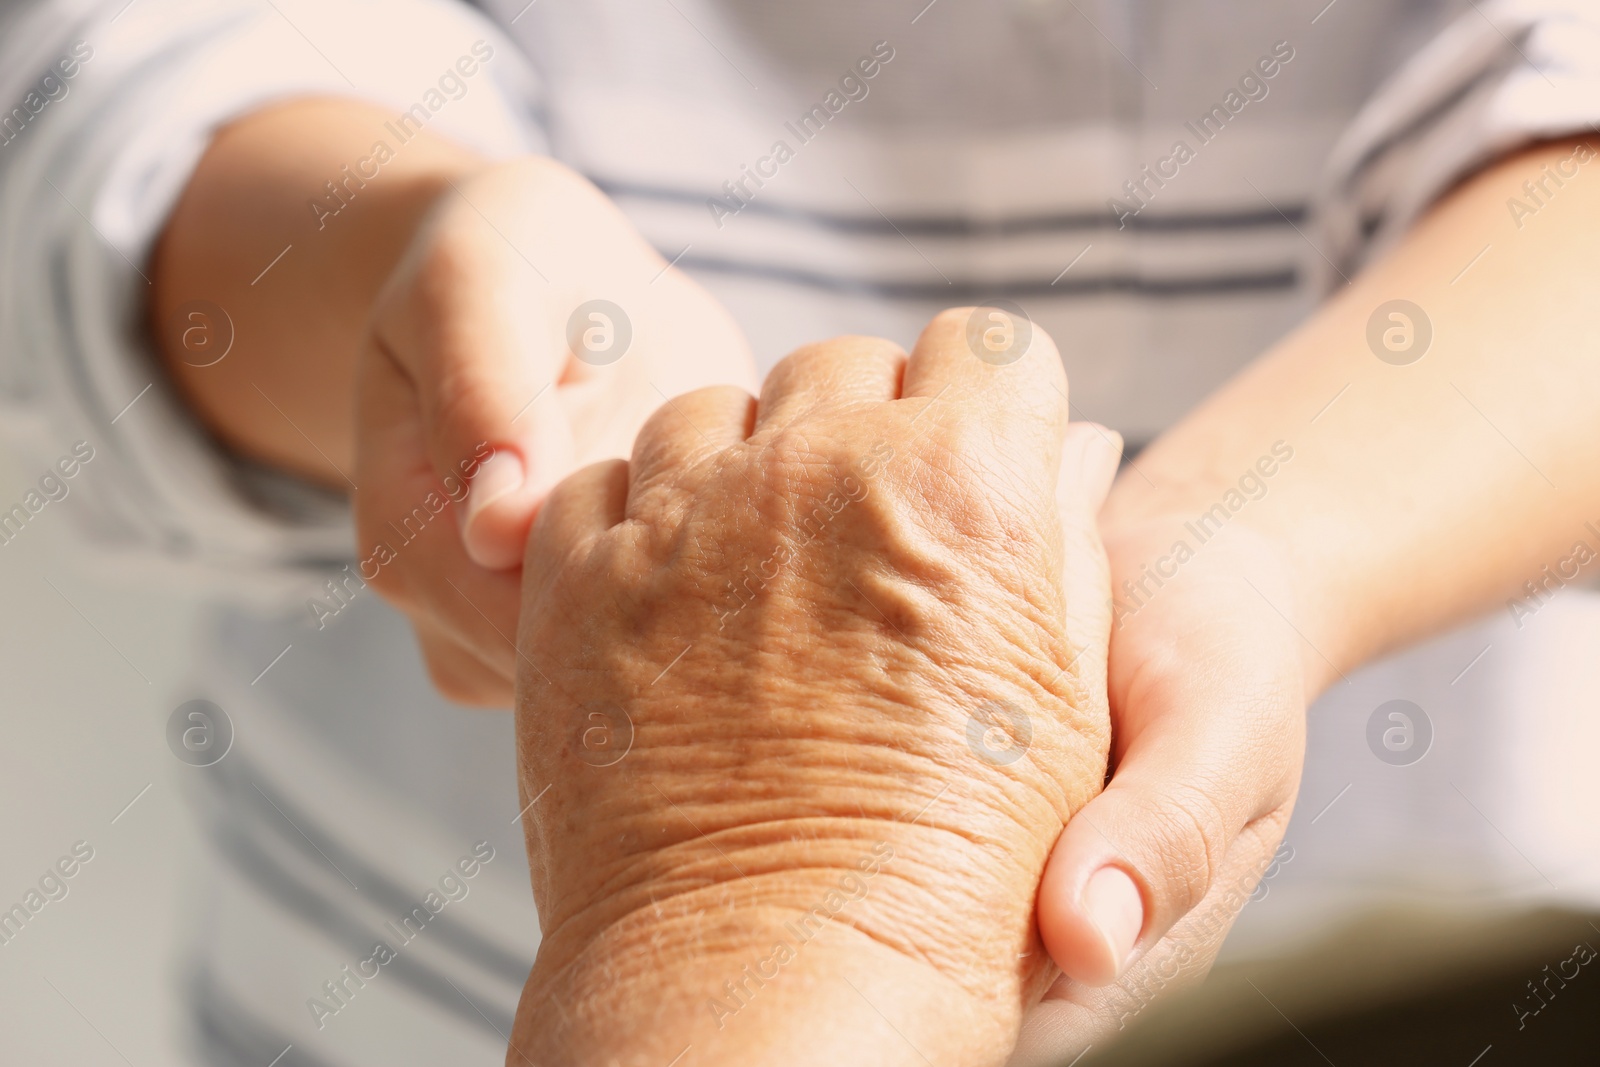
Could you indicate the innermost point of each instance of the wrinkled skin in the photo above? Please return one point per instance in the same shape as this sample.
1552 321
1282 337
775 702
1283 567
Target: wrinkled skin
749 664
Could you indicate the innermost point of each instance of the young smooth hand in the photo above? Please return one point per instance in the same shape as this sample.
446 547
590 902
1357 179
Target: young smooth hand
446 346
527 331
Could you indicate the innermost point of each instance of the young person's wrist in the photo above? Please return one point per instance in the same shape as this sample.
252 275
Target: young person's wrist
276 252
1154 536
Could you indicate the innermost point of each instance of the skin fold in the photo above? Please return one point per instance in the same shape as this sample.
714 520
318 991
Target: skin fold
782 775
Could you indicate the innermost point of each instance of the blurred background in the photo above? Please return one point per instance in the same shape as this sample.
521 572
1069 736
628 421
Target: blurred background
92 670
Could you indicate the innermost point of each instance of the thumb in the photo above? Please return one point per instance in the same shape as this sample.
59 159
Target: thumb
1210 725
1089 459
1088 466
466 323
1090 454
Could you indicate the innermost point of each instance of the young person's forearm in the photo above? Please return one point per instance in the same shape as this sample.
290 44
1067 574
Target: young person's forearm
1417 492
297 283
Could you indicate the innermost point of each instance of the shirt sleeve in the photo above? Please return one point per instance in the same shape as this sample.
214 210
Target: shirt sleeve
112 105
1502 75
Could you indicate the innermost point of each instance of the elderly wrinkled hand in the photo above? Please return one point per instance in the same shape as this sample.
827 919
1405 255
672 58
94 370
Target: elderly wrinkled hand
806 692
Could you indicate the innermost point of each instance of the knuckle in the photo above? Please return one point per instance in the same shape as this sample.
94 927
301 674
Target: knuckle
948 330
815 360
952 319
731 397
547 173
1045 345
1044 359
664 421
801 364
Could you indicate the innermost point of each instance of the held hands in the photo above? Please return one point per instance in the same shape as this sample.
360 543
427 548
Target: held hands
806 692
527 331
1208 693
469 357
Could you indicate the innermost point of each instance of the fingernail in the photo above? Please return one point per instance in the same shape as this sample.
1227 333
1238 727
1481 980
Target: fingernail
500 475
1113 904
1088 466
1102 448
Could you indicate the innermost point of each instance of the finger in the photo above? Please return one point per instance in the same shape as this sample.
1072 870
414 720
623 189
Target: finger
1207 761
406 527
390 463
684 432
1089 458
584 506
460 675
841 371
1072 1016
1006 422
988 351
463 324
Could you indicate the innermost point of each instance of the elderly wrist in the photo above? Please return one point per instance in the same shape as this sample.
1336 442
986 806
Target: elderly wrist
781 984
729 942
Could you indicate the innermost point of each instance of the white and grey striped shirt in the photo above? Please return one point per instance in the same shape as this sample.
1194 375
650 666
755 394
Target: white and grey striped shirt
1165 185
